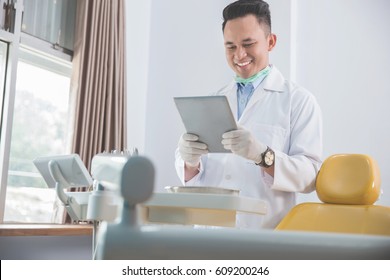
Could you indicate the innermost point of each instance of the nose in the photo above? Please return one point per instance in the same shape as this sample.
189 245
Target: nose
240 53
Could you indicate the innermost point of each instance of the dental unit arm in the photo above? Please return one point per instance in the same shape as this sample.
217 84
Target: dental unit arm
76 206
63 172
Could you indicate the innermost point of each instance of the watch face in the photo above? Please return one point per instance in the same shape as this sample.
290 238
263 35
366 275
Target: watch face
269 158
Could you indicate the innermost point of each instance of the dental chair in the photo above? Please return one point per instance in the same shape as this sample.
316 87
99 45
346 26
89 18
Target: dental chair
128 238
348 185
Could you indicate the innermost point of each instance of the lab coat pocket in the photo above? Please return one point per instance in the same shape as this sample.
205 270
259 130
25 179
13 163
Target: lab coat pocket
273 136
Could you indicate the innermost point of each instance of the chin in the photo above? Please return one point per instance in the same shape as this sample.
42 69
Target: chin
246 76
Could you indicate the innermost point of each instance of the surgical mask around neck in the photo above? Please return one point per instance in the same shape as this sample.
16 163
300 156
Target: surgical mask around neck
263 72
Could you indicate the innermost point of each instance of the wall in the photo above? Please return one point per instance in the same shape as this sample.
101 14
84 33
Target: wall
343 58
336 49
137 55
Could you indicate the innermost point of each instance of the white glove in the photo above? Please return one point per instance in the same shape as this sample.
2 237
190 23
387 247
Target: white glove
190 150
241 142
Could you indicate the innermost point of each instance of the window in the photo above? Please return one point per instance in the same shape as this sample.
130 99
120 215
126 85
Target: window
3 66
35 55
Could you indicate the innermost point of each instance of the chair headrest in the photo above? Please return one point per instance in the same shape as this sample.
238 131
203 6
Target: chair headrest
348 179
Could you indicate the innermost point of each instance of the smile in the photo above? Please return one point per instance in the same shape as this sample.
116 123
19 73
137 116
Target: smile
242 64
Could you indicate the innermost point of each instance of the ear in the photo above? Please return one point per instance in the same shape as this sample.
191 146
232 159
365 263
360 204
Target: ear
271 41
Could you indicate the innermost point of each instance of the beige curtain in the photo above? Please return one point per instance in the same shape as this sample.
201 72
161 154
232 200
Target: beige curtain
98 86
98 80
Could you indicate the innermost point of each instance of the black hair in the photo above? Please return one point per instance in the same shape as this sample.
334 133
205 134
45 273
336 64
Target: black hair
241 8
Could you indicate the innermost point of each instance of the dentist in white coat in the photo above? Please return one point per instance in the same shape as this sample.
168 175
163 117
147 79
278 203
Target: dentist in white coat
277 148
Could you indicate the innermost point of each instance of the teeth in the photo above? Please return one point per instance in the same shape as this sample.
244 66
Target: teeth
243 63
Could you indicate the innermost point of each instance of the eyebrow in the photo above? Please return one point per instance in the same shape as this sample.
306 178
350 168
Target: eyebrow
243 41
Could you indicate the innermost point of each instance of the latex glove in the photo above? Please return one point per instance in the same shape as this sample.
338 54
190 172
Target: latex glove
241 142
190 150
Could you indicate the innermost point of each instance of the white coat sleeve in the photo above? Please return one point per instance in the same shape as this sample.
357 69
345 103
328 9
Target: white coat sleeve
296 170
179 165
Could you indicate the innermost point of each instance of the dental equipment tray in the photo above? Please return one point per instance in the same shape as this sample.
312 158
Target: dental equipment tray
190 207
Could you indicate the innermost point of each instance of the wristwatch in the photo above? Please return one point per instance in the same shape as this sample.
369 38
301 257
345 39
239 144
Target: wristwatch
267 158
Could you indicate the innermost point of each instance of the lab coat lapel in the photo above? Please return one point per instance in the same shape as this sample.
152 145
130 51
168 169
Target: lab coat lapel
273 82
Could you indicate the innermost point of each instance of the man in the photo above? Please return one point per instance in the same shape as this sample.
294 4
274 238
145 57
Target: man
277 148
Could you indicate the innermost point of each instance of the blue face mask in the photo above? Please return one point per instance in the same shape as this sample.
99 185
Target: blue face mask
263 72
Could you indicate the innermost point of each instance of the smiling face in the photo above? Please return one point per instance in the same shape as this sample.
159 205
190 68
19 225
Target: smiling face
247 44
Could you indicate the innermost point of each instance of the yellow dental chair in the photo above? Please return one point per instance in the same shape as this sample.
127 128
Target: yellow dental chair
348 185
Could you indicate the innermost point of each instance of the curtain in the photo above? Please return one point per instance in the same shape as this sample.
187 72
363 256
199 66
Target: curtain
98 86
98 79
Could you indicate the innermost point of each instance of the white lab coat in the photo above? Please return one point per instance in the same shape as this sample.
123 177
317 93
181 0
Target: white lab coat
285 117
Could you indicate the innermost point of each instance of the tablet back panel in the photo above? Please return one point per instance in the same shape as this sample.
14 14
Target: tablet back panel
208 117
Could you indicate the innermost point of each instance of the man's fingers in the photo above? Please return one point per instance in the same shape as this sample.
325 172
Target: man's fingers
193 151
190 137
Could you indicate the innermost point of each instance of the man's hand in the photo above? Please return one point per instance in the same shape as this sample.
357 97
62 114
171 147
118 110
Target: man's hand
190 150
241 142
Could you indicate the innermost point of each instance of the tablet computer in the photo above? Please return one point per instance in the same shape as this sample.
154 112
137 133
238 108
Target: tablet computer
208 117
